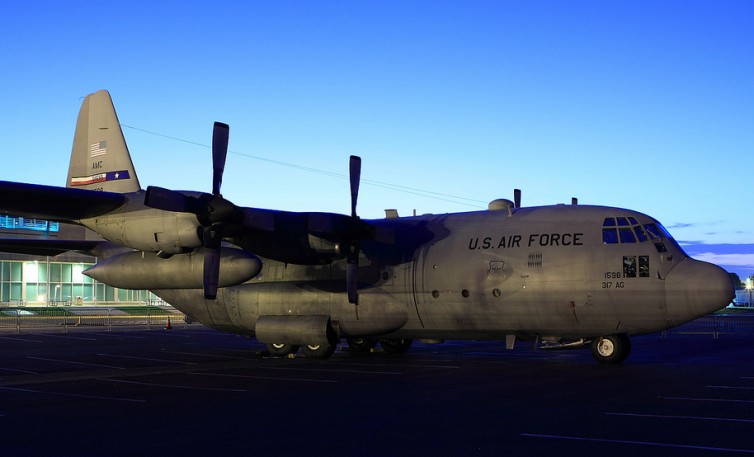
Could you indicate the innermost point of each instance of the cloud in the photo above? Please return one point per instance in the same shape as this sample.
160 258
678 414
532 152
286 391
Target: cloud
735 260
681 225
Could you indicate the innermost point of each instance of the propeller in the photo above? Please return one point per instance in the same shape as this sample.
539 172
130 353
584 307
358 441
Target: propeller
212 210
352 259
213 235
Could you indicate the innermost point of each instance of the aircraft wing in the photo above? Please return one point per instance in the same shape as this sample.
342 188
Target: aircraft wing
55 203
46 247
302 237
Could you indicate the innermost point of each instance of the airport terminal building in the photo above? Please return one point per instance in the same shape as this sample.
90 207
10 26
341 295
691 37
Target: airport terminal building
29 280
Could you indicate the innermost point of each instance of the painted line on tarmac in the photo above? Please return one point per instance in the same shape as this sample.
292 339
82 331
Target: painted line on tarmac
18 338
15 370
399 365
61 394
722 400
327 370
639 443
266 378
213 356
730 387
149 359
661 416
172 386
119 335
71 362
68 337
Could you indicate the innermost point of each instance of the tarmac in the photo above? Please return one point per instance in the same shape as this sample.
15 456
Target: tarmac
195 391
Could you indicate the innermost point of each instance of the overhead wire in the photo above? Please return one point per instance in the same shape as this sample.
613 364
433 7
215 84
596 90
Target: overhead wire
381 184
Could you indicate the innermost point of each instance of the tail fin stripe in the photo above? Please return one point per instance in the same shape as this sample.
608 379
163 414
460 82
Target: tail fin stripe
100 177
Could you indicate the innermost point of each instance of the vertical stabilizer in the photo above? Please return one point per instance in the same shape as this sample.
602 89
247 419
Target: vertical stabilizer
100 159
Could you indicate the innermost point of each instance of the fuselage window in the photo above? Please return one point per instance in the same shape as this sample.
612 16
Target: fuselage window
609 236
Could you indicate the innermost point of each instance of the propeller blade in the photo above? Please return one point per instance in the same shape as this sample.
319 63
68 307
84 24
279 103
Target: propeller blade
170 200
213 237
352 260
352 281
354 173
211 272
220 135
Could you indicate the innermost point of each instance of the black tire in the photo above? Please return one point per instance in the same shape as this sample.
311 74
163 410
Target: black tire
360 345
281 349
396 346
611 349
319 351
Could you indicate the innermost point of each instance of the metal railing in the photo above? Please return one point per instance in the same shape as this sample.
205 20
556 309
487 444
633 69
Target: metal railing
716 325
71 317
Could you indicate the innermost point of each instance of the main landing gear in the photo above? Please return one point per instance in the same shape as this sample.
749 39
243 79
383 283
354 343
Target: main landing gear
360 345
611 349
357 345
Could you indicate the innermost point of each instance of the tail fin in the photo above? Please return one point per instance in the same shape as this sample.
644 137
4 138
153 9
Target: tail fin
100 159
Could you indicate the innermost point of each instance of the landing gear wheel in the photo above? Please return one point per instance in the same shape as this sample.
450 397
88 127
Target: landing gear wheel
611 349
281 349
319 351
396 346
360 345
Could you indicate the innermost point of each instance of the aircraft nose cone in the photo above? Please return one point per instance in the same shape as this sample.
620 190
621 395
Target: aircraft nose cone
695 288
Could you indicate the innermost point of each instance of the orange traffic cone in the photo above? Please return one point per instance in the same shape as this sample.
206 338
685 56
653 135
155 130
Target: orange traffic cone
167 325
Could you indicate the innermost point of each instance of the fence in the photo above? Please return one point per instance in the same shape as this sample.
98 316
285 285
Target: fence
716 325
65 317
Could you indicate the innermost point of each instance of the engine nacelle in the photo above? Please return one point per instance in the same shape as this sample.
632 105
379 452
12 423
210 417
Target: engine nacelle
149 230
146 270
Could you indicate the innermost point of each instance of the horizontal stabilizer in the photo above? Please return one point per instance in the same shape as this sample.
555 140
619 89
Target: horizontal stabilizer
46 247
55 203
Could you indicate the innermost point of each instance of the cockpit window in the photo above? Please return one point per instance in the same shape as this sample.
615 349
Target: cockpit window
625 230
653 231
626 235
640 234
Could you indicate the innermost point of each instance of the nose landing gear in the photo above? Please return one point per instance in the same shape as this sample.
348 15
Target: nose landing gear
611 348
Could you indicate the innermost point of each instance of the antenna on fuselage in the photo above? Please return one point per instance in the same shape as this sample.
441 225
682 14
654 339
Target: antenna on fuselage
517 198
574 201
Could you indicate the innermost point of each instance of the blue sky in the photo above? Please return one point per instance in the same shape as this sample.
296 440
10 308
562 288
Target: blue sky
647 105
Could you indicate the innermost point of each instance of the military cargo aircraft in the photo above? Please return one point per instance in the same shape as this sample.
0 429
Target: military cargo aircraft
564 275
